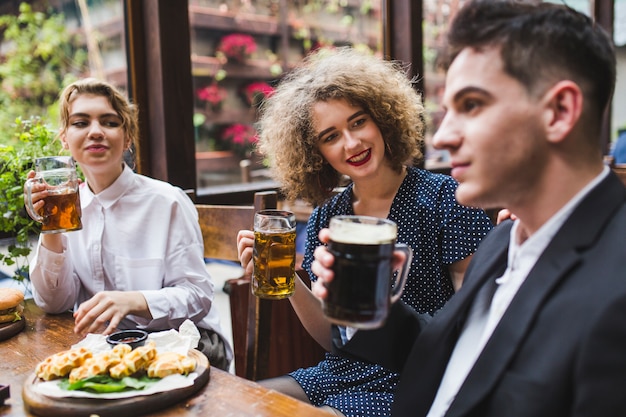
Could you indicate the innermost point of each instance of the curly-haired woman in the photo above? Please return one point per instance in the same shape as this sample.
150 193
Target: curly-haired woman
348 113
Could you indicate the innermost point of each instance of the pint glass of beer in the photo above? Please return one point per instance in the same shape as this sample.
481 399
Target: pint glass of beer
61 210
363 288
274 254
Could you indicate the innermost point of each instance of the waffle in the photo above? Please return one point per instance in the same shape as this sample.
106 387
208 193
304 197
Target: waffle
119 362
100 363
60 364
135 361
169 363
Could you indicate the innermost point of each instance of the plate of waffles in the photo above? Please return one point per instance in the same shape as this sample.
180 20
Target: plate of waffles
150 380
40 402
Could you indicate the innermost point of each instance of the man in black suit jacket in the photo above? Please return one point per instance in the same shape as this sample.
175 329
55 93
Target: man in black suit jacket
538 328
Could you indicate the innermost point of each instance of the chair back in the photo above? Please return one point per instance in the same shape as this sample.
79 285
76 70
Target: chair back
268 338
221 223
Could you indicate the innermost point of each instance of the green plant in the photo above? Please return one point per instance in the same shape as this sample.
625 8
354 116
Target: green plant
241 137
35 139
237 46
39 56
257 91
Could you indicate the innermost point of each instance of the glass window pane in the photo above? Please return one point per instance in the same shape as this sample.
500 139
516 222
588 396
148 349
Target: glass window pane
437 15
102 25
620 23
240 49
68 40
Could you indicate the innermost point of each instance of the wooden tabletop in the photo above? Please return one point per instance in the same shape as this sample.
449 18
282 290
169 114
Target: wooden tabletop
225 394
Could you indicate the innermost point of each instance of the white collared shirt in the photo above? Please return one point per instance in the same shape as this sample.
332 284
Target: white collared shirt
480 325
139 234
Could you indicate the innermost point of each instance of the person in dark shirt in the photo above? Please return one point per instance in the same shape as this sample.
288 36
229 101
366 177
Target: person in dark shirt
538 328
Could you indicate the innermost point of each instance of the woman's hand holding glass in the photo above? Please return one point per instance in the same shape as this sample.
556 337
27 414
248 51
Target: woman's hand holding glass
245 248
38 193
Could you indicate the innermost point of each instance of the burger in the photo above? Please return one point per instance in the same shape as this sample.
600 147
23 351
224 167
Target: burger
11 306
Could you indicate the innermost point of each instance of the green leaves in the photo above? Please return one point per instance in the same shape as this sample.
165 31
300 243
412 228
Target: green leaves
105 384
40 57
34 139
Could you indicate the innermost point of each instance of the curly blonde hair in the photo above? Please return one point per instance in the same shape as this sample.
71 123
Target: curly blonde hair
286 133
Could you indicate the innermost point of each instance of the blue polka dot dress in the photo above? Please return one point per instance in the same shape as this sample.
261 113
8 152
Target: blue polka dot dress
440 232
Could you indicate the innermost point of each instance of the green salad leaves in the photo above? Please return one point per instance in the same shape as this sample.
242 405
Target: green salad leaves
105 384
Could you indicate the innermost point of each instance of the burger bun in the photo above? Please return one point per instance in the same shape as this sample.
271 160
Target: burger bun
11 306
10 297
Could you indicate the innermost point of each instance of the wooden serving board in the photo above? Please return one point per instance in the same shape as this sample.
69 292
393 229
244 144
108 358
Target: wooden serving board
126 407
8 330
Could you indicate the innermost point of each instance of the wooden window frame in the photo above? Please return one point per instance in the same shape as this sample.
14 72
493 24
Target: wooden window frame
160 82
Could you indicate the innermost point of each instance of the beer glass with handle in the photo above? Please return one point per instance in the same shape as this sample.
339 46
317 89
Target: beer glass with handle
274 254
61 211
363 288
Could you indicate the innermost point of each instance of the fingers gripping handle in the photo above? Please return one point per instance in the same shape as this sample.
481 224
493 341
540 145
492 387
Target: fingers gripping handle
403 272
29 200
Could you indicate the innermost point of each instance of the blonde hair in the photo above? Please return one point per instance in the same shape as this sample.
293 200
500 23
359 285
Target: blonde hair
119 102
286 132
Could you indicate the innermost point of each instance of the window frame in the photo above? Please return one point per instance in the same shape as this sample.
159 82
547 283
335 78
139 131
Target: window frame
160 83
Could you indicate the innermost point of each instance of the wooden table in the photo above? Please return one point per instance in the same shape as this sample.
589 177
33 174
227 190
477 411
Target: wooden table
224 395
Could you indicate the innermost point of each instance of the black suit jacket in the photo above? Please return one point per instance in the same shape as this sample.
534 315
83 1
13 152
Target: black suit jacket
560 348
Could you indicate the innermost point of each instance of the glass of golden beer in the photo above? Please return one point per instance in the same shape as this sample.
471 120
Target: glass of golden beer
61 211
364 286
274 254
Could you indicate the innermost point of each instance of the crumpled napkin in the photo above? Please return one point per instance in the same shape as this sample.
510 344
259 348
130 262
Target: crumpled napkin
181 341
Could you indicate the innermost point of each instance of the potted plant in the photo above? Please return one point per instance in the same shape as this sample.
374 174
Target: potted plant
32 139
213 95
241 138
254 93
237 46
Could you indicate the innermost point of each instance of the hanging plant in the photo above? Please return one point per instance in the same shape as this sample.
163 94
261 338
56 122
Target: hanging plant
213 95
237 46
241 138
256 92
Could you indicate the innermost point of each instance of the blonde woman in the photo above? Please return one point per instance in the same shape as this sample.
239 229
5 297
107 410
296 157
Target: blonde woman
138 260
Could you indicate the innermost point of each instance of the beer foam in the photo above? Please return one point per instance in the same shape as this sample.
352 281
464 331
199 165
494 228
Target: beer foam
363 233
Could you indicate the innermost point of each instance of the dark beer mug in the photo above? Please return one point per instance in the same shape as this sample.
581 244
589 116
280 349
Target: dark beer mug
61 211
363 288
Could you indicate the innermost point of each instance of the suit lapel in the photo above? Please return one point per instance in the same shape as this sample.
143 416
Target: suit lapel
580 231
508 335
430 353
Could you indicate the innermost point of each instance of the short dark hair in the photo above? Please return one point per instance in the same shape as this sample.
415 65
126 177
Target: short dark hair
540 43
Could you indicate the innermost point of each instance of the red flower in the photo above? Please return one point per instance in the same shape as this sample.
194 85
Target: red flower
240 134
212 94
241 138
237 46
257 91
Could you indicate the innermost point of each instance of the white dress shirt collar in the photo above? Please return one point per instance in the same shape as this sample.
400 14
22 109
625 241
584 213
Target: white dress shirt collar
112 193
